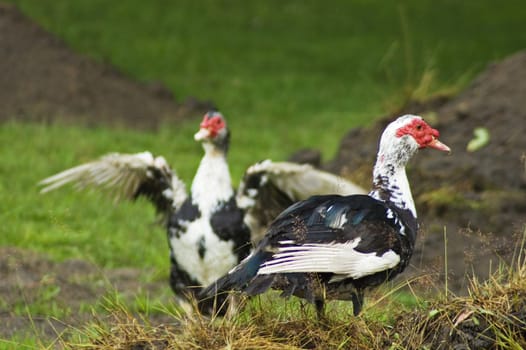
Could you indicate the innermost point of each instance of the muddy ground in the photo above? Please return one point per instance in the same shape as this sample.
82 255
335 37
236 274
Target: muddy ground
69 288
479 197
72 88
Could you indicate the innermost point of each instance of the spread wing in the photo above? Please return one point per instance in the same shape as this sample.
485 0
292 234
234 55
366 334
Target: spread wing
126 176
270 187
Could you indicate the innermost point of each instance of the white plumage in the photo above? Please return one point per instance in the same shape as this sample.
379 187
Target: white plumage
340 259
211 228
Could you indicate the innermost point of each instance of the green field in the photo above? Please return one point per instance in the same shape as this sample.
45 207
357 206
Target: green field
286 74
281 71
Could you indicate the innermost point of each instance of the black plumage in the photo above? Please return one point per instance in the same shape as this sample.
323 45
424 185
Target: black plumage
210 228
317 220
334 247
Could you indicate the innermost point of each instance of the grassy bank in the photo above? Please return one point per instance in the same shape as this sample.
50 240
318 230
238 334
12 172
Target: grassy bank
493 315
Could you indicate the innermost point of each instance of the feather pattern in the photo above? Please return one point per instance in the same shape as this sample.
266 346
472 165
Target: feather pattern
126 176
270 187
337 258
209 229
334 247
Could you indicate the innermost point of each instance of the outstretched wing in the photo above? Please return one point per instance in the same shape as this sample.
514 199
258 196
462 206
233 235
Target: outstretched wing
270 187
126 176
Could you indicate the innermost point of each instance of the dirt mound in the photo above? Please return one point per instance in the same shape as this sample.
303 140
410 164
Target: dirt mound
483 190
43 80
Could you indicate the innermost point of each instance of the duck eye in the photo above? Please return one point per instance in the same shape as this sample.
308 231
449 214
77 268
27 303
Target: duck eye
419 127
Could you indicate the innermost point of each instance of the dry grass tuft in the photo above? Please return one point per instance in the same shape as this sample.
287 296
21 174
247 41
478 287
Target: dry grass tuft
492 316
283 326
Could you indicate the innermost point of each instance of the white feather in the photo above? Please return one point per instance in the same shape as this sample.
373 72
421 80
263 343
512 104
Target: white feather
338 258
122 174
301 181
218 254
211 183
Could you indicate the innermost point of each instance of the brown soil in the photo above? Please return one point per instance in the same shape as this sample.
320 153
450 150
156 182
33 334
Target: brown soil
71 287
488 186
43 80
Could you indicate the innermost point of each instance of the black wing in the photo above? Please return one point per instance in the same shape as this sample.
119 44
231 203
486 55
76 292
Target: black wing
352 236
345 236
269 187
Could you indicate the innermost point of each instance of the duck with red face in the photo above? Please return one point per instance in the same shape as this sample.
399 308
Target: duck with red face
334 247
212 227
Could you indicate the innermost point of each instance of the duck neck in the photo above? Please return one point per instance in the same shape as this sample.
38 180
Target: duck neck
212 184
390 182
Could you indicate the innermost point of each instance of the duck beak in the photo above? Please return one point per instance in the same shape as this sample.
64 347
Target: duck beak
202 134
439 146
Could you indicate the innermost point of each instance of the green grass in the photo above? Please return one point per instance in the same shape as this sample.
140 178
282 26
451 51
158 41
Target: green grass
286 74
69 224
283 71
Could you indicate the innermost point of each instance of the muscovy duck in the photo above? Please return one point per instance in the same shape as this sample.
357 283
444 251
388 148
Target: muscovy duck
334 247
209 230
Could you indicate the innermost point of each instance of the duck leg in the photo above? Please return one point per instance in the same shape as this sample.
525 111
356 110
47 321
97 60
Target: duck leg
320 304
357 301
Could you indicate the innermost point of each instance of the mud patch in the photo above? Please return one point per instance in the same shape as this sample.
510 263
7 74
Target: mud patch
33 287
43 80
